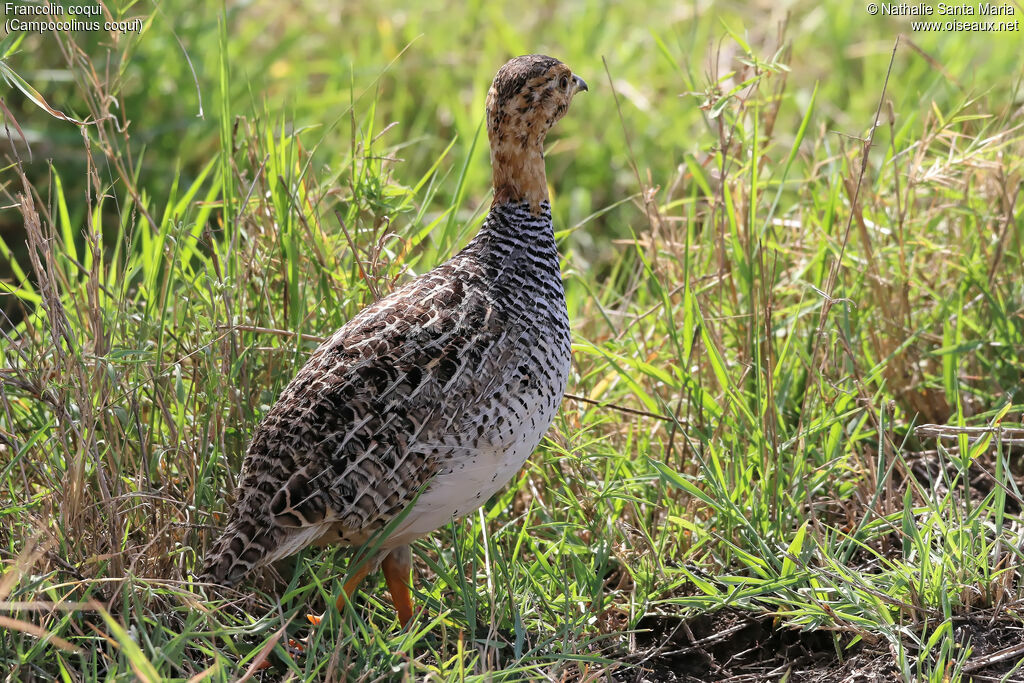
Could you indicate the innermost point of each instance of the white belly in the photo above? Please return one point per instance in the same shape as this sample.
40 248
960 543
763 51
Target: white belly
468 479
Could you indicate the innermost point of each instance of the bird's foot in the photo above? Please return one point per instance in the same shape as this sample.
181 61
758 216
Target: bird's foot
397 567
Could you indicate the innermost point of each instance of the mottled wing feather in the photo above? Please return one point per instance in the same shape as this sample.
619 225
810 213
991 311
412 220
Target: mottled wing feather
364 470
360 429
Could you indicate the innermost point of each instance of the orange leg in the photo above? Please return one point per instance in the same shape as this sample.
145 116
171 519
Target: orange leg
397 567
350 588
352 585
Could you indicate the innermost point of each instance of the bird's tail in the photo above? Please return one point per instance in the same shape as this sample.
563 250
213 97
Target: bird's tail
240 549
245 546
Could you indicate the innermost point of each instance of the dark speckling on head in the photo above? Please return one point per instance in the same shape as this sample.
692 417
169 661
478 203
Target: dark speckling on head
511 78
529 95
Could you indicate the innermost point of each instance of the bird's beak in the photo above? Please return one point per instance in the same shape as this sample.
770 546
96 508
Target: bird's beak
581 85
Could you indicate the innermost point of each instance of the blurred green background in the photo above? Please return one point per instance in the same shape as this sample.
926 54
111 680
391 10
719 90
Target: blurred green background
425 70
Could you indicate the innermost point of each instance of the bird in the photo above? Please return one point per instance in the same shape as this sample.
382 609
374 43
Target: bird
427 402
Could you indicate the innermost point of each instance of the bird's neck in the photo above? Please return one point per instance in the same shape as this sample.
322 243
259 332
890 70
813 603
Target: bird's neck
515 228
517 164
515 247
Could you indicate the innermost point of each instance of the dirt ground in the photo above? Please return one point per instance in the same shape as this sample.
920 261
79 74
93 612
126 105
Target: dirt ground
736 646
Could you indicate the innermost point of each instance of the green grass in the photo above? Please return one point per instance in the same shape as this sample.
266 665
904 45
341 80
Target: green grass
759 330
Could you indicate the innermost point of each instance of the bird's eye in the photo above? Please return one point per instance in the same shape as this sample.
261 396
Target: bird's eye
564 82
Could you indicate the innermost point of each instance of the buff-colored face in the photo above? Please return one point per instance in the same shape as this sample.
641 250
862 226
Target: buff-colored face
528 96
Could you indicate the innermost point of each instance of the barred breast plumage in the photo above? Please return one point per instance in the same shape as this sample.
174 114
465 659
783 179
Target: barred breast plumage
432 397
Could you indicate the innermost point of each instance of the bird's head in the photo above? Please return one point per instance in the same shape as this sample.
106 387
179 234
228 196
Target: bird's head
528 96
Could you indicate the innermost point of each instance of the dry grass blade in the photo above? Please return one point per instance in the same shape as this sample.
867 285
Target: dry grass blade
1005 435
38 632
